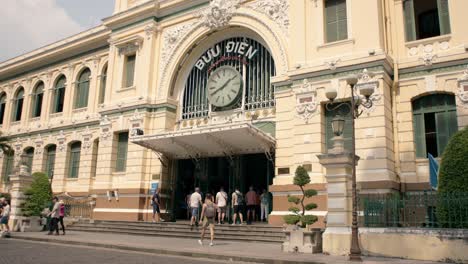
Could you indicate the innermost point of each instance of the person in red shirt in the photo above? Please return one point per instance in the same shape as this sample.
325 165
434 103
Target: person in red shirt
251 198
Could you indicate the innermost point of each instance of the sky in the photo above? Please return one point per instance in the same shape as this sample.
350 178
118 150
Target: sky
26 25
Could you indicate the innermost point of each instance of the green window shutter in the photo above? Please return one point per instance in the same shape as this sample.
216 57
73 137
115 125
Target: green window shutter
336 23
446 127
419 135
82 89
122 148
410 25
59 94
74 162
29 158
347 131
50 164
8 161
130 70
2 107
444 18
102 92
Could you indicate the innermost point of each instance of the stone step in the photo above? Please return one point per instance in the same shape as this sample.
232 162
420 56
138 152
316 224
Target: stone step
265 227
194 234
184 227
225 231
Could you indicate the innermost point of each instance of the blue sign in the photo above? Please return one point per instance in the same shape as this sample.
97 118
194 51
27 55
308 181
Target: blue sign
154 187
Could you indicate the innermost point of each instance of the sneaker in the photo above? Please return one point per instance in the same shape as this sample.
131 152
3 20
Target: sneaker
200 242
162 220
233 224
211 244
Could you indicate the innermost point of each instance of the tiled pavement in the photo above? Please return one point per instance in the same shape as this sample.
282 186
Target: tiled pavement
223 250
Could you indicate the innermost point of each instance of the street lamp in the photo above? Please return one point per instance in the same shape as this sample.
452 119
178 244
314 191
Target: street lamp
366 85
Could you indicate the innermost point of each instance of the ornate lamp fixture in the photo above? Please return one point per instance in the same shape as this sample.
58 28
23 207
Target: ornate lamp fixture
366 84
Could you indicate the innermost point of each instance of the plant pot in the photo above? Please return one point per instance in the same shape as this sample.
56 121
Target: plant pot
30 224
303 241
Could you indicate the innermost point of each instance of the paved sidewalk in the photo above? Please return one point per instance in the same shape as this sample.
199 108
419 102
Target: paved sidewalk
223 250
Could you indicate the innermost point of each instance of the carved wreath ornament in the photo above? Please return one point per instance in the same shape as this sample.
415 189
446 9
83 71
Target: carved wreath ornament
462 92
306 105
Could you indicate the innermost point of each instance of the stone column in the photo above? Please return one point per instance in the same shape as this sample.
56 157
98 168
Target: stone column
339 171
20 181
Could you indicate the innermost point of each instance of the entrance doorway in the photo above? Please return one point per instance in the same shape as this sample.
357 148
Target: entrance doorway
210 174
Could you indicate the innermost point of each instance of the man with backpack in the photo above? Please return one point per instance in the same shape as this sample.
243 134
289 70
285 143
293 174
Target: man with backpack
207 217
237 206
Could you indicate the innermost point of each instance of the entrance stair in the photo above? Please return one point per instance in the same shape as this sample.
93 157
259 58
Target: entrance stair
260 232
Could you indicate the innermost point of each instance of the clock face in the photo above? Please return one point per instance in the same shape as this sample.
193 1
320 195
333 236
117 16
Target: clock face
224 86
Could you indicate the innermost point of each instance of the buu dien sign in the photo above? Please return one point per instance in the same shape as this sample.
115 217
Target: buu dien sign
241 48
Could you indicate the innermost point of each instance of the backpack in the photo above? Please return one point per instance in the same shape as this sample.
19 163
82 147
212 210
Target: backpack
240 198
210 211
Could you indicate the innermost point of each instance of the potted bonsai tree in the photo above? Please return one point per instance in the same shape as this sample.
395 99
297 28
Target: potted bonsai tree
38 196
299 238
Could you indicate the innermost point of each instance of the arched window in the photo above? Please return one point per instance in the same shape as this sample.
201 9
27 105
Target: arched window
50 160
18 104
74 160
2 107
29 152
8 162
82 89
38 96
102 91
59 95
434 121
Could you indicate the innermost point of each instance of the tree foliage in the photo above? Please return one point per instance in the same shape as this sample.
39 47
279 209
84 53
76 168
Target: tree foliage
298 216
453 181
38 195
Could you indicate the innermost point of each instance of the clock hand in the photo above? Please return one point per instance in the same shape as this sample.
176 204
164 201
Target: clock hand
222 86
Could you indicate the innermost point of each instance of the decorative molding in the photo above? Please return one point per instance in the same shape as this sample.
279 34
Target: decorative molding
136 121
307 104
332 64
38 144
106 129
276 10
219 13
150 30
428 58
61 141
130 46
86 136
462 92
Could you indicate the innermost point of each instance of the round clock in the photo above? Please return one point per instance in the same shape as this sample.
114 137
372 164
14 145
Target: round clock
224 86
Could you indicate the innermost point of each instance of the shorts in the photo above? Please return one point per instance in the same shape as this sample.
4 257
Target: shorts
156 209
4 220
194 211
208 221
238 209
251 207
222 209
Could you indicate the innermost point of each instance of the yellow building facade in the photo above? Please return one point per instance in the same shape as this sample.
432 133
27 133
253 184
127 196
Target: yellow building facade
175 94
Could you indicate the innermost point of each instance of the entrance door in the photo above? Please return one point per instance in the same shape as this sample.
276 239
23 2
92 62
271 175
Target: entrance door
212 173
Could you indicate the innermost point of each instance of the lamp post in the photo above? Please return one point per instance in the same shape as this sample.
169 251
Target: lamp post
366 89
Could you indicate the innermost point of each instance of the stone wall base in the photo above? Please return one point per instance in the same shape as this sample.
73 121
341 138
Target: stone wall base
337 240
447 245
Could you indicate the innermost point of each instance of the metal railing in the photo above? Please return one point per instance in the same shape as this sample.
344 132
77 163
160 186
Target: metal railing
414 209
77 208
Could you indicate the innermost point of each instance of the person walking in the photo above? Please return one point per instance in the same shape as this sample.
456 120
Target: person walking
155 202
264 205
207 218
221 202
237 206
195 202
61 215
5 217
251 198
55 215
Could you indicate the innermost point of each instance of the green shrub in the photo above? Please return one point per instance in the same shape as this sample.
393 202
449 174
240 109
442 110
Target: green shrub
38 195
297 216
7 196
453 182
